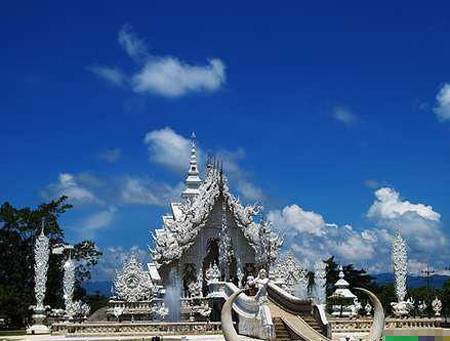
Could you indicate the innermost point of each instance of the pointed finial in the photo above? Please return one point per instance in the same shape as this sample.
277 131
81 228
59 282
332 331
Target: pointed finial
42 225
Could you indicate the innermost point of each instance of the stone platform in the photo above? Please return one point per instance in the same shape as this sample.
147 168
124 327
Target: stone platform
136 328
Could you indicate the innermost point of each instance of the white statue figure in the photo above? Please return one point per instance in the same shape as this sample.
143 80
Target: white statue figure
399 257
320 281
355 307
118 311
437 306
205 310
239 272
132 283
160 311
422 307
368 309
213 273
200 280
41 256
68 288
262 282
194 289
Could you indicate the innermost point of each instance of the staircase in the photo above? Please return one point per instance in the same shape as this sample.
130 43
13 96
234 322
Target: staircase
312 322
281 331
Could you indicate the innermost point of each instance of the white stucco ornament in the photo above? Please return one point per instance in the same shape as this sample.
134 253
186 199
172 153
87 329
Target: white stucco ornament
180 229
437 306
399 256
320 281
132 283
291 275
213 274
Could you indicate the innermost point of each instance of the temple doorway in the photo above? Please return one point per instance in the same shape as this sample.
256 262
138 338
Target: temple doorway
212 256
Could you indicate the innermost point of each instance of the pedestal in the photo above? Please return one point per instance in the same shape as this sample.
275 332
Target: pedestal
38 326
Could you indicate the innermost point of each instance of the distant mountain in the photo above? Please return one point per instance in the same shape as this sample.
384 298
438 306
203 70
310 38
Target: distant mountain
436 281
103 287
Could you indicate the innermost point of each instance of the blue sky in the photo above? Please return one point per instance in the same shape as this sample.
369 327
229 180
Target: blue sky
335 115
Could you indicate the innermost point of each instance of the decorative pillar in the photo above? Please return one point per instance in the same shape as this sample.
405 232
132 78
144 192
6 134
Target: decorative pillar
68 287
320 281
41 256
399 257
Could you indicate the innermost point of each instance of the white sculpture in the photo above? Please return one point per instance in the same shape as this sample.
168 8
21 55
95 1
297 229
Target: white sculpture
437 306
68 288
213 274
41 256
194 289
262 282
346 302
400 267
132 283
422 306
292 276
368 309
118 311
320 281
178 235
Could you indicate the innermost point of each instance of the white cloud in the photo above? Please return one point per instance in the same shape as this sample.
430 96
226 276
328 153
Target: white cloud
170 77
166 76
111 155
132 44
442 108
419 223
172 150
388 205
169 149
68 185
141 191
295 217
110 74
312 238
99 219
250 191
344 115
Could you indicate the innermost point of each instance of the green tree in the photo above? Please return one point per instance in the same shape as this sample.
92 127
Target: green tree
18 229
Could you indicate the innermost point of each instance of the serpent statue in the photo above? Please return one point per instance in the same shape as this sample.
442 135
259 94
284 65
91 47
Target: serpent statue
375 333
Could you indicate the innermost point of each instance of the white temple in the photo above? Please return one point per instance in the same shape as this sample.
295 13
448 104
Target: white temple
210 226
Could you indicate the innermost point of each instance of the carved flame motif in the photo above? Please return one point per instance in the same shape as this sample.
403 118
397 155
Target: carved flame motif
132 283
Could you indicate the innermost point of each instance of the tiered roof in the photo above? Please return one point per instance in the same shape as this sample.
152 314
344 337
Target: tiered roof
186 219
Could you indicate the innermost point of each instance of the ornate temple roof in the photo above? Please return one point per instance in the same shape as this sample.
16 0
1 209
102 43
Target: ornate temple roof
186 219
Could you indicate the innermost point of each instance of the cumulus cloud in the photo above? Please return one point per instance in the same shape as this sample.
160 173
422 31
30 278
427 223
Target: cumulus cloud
388 205
169 149
295 217
68 185
418 223
146 192
312 238
166 76
442 108
171 77
344 115
172 150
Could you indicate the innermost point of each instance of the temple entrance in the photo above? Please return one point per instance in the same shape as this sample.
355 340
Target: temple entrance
212 256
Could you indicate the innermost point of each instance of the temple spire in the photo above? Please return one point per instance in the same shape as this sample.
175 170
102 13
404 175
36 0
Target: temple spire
193 179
